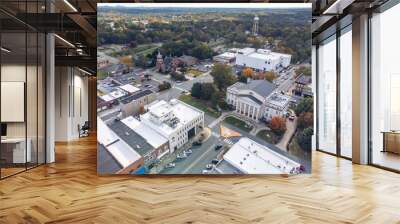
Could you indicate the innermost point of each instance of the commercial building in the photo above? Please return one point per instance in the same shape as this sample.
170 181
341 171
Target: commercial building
276 105
133 104
127 159
303 86
175 120
157 141
262 59
251 157
257 100
225 58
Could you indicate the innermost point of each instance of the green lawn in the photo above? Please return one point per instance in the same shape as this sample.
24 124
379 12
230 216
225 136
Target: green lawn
269 136
194 72
238 123
145 49
101 75
200 104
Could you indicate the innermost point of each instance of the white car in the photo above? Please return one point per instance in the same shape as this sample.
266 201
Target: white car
209 166
181 156
205 172
170 165
189 151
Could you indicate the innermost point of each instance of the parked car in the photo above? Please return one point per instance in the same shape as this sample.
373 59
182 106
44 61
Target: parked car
218 147
170 165
189 151
214 161
181 156
196 143
205 172
209 166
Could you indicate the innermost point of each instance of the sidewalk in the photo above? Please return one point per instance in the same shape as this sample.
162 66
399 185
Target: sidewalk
290 130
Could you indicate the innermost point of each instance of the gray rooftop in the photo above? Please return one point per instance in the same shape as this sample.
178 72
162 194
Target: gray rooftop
106 162
303 79
262 87
136 96
252 98
133 139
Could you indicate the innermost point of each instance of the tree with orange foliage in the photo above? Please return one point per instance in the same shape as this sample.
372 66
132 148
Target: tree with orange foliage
141 109
278 125
258 75
127 60
247 72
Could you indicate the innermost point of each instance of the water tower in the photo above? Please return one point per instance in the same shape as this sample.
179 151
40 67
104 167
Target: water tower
255 25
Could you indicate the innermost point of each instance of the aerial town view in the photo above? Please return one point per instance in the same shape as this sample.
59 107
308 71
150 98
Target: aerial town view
204 88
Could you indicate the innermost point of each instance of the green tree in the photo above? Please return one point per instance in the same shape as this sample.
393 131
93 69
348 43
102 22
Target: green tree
164 86
207 90
305 105
218 99
223 76
141 61
304 138
242 79
305 70
196 90
305 120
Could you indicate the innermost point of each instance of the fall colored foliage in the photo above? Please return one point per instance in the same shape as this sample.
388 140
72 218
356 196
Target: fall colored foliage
141 109
127 60
270 76
278 125
247 72
258 75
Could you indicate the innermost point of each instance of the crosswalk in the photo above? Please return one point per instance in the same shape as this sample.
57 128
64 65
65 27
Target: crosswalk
228 141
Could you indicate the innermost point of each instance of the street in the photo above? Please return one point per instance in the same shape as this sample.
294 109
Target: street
197 161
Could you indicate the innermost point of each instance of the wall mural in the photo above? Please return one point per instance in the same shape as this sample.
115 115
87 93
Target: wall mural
207 88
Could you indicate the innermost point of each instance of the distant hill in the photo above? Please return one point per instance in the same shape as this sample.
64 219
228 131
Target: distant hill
183 10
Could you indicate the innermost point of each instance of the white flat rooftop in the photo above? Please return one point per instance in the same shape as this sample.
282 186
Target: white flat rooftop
185 114
228 55
278 99
160 108
123 153
251 157
129 88
107 97
262 56
246 50
104 135
152 137
117 94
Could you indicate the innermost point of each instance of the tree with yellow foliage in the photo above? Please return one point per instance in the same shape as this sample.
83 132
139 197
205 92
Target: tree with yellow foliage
270 76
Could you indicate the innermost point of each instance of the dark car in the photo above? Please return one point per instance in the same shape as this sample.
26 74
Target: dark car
196 143
218 147
214 161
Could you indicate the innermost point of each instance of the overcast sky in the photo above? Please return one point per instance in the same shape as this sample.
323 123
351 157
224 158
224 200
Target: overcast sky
212 5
